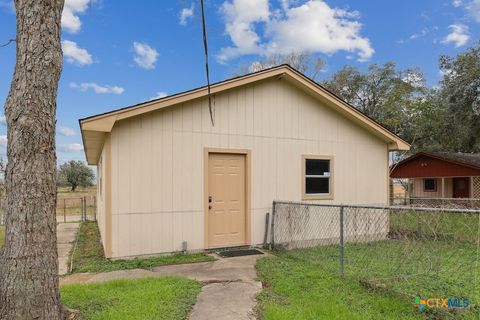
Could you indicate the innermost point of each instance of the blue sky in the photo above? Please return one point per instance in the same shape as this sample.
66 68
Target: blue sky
119 53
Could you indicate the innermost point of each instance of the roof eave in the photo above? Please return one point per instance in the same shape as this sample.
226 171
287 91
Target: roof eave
399 145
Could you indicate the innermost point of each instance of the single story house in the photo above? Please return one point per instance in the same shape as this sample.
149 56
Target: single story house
440 175
169 180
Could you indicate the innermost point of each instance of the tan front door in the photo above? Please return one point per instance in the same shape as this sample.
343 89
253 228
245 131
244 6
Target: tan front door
226 202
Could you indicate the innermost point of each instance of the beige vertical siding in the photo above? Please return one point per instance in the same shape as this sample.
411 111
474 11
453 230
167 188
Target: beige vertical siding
419 192
101 196
157 162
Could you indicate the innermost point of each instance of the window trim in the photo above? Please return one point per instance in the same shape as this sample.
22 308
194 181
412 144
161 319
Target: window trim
326 196
435 185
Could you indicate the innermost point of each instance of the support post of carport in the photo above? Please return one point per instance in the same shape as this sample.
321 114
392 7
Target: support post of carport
443 191
471 194
443 188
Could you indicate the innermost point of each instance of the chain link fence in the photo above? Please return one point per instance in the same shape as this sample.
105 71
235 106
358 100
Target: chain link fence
69 209
76 209
452 203
410 250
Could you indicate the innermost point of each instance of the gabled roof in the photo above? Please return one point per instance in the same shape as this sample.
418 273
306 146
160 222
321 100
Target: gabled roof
95 127
469 159
465 159
452 164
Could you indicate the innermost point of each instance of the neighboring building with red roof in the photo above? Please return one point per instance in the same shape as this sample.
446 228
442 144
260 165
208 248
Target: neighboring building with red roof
440 174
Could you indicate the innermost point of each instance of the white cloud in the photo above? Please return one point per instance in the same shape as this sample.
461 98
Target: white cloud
65 131
185 14
424 32
74 54
313 26
3 120
457 3
70 15
70 147
145 56
158 95
459 35
473 8
3 140
97 88
240 19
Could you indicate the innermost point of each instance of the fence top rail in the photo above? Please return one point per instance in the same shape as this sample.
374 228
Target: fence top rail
443 199
378 207
76 198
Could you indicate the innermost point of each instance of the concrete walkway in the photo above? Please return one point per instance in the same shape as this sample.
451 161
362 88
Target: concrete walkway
229 287
66 235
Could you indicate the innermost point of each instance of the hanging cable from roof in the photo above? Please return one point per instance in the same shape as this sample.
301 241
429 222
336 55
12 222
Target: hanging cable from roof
210 107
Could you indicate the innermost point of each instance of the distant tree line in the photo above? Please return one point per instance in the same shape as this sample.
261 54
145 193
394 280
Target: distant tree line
444 117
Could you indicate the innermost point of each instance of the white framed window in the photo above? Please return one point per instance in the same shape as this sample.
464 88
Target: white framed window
317 177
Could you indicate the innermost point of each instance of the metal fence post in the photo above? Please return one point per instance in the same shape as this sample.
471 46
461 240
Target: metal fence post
265 238
82 217
85 208
272 227
64 211
342 271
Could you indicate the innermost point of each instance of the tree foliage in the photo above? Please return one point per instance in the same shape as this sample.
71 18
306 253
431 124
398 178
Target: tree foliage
75 173
383 93
444 118
303 61
459 95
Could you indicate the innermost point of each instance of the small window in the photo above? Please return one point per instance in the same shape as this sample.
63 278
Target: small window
317 178
430 185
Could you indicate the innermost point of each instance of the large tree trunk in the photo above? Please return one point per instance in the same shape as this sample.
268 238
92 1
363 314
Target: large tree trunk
28 261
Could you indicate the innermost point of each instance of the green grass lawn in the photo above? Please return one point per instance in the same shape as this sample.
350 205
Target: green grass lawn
454 227
88 255
297 289
381 279
150 298
429 268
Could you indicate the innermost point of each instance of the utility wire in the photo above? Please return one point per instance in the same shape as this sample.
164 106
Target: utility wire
210 108
6 44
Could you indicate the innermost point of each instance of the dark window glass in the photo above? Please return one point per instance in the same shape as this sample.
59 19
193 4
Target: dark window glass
317 167
317 185
430 185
